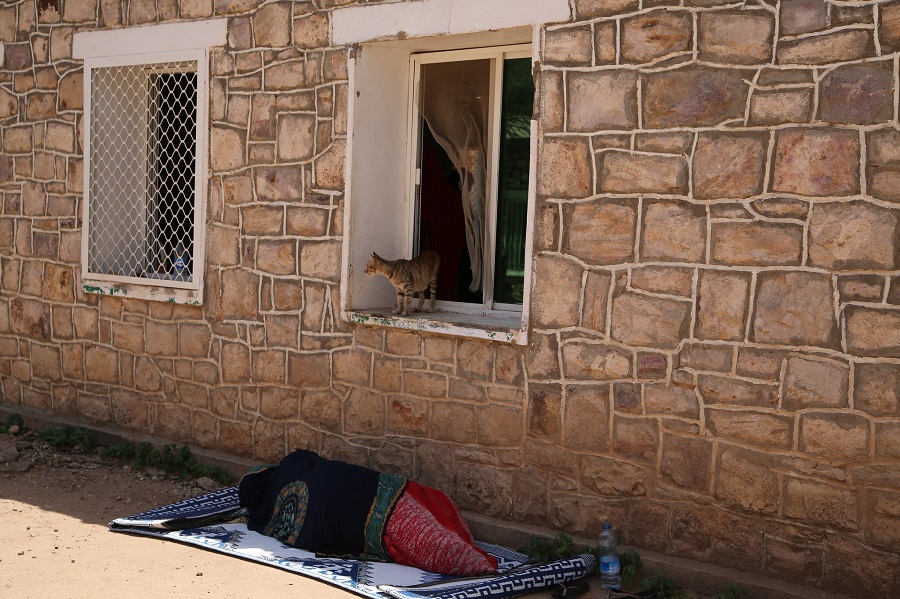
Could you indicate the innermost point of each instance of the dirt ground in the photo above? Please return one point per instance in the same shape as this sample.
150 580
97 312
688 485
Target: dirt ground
54 542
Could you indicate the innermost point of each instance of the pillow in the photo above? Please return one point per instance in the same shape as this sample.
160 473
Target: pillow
426 530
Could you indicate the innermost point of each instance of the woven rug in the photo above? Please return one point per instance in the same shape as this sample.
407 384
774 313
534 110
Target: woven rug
213 521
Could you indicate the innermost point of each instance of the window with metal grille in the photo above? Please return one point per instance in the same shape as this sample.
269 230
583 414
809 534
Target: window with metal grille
144 173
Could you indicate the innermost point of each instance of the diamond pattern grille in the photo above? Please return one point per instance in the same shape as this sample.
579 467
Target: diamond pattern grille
143 150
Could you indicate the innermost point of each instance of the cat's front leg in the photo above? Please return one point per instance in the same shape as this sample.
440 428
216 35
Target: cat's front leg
399 308
407 304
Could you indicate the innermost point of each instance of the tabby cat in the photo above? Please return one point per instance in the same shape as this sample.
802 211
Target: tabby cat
409 276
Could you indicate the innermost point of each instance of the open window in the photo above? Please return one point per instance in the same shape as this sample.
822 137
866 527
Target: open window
145 135
446 166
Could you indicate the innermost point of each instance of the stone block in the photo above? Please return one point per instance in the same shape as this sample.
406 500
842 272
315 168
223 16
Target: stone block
803 16
854 235
698 356
612 478
658 33
586 419
794 308
388 375
601 100
545 411
542 361
227 149
235 362
623 172
818 503
329 166
196 8
744 481
508 366
779 107
673 232
570 46
321 260
321 408
404 343
647 525
693 96
627 398
671 400
816 162
669 280
600 232
485 489
686 461
240 297
453 421
889 27
735 37
721 390
729 165
876 389
296 136
500 426
556 294
407 415
553 101
872 332
883 527
762 429
587 361
757 244
564 168
311 31
851 566
424 384
861 288
307 221
353 366
276 257
715 535
644 321
585 9
887 440
596 292
635 438
272 25
859 94
365 413
605 42
475 360
798 562
223 248
723 299
835 435
815 383
839 46
268 366
103 364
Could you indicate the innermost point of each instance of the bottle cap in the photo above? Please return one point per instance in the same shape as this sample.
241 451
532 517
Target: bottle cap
607 526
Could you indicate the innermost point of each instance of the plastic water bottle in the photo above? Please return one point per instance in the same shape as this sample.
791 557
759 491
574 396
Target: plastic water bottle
180 262
609 559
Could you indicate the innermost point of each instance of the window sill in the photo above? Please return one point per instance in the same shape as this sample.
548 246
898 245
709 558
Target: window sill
504 329
143 291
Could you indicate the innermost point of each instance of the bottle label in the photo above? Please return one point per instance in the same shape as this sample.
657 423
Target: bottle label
609 565
179 264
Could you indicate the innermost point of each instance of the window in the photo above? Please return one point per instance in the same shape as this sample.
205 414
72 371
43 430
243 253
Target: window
471 129
146 131
452 123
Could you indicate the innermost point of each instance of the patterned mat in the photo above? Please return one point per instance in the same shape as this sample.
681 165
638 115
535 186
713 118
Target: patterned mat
213 521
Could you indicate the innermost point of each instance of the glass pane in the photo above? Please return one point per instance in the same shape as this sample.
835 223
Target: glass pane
453 103
512 200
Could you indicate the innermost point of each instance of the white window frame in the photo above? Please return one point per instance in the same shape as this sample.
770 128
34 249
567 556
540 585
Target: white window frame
378 118
151 45
497 54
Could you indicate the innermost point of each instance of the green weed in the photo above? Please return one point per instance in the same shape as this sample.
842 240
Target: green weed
732 591
169 458
662 587
12 420
68 437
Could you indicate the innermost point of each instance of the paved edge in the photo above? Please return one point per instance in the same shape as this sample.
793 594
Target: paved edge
686 573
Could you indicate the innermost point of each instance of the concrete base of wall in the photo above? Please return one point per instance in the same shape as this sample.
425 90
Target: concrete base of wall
686 573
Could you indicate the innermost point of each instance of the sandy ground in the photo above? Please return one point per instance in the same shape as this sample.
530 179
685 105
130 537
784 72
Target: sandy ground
54 540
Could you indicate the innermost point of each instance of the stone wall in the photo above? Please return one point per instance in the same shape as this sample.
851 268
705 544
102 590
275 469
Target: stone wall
714 358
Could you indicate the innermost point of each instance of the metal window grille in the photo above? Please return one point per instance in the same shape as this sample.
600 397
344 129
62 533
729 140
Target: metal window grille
142 173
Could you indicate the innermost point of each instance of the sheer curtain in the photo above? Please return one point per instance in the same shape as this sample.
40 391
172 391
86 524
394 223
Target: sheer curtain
454 101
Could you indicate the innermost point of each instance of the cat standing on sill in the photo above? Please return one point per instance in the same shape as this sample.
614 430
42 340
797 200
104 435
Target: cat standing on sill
409 276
